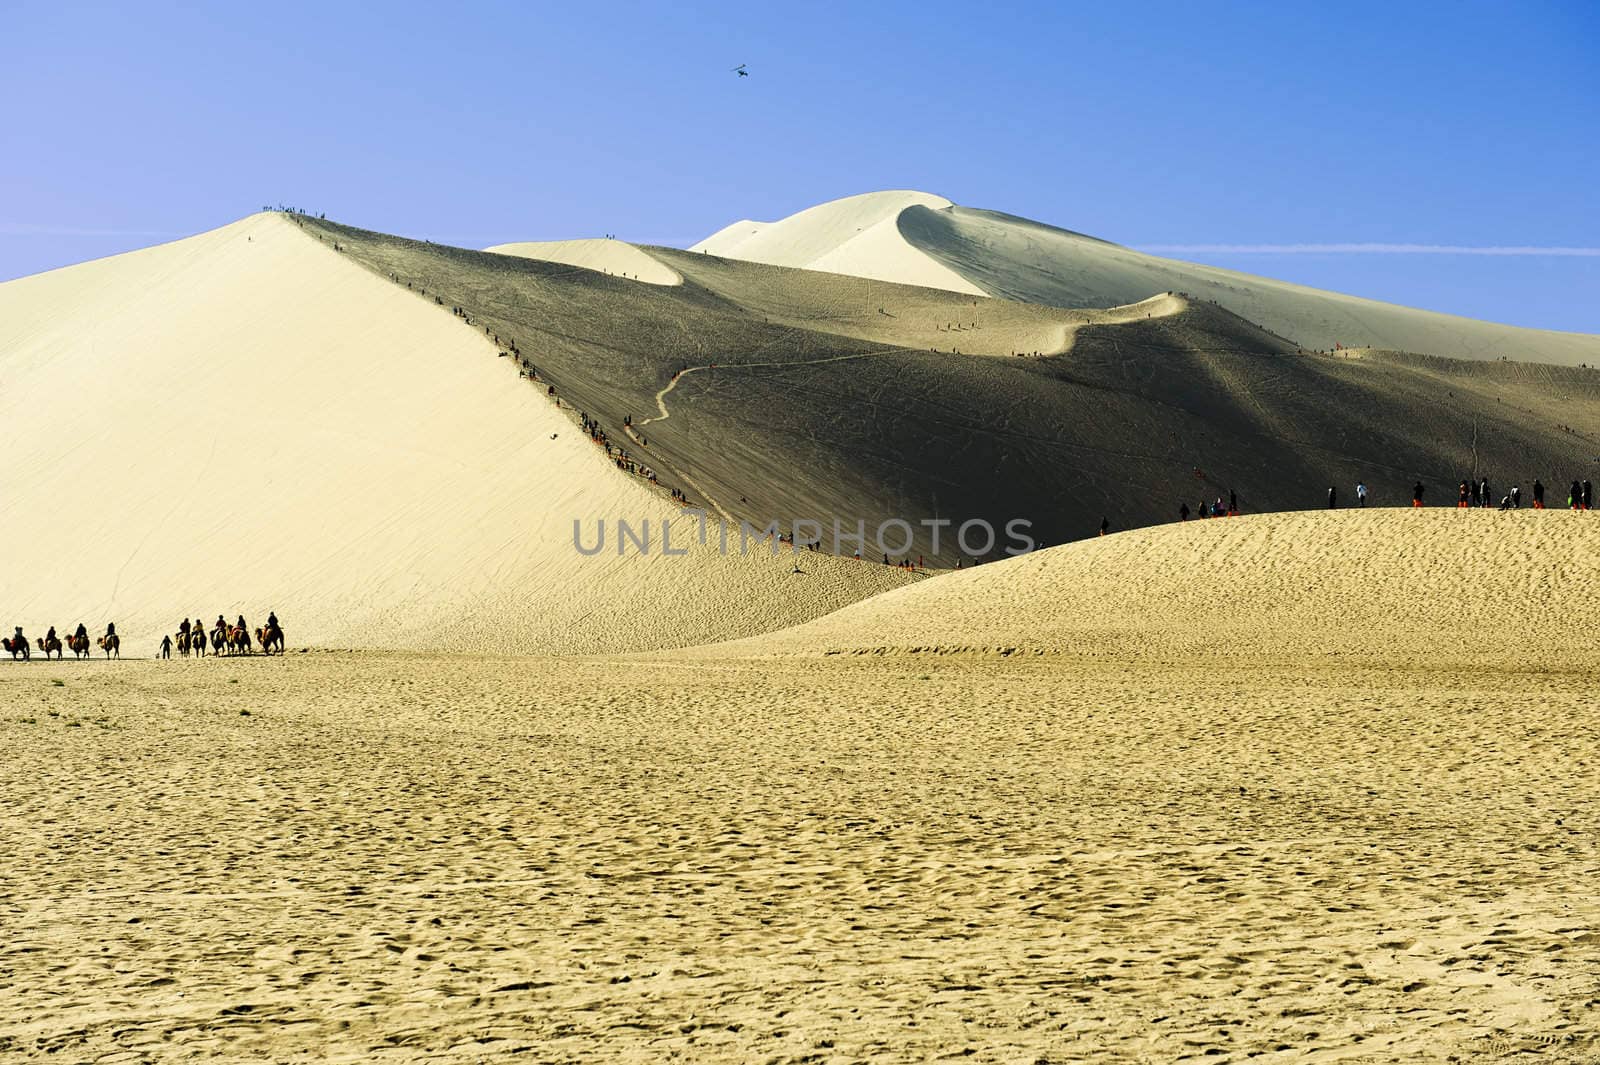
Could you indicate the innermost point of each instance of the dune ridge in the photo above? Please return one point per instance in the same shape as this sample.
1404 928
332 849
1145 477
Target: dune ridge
940 244
857 235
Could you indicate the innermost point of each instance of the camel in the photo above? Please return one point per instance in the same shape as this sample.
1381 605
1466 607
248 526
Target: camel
79 645
112 645
52 644
239 640
218 639
18 647
270 638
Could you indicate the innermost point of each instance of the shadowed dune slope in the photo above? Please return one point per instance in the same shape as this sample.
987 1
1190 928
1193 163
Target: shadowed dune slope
1431 589
246 421
773 393
922 239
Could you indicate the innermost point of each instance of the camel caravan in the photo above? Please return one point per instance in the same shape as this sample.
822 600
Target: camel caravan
223 638
50 644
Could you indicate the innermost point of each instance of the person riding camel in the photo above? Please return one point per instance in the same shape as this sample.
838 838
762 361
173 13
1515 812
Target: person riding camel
82 633
184 628
111 629
242 626
272 620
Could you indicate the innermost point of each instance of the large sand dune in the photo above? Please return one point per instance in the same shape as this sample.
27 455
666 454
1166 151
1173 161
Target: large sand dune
921 239
777 393
246 421
1426 589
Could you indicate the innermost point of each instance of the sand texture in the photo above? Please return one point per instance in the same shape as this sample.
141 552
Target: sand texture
396 859
1437 588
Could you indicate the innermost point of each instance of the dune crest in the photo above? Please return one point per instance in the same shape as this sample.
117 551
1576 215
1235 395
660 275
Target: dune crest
614 257
858 235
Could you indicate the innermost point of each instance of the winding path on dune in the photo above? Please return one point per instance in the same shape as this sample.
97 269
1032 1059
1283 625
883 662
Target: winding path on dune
661 396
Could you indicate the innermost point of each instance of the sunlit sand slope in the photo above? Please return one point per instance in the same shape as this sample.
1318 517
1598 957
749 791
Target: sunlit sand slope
1422 589
247 421
607 256
858 235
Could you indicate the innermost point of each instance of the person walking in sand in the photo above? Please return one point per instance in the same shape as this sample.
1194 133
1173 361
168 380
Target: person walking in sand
1233 503
166 646
1105 526
1416 494
1183 512
1588 495
1516 497
1361 494
1575 496
1333 498
1538 494
1486 495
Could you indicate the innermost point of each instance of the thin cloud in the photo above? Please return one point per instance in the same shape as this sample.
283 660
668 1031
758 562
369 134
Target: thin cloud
1368 249
28 229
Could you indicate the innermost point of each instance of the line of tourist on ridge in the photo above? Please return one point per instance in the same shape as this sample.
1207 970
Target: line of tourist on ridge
1469 494
225 639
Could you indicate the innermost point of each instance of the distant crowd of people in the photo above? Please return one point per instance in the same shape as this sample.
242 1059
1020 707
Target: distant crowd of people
1470 494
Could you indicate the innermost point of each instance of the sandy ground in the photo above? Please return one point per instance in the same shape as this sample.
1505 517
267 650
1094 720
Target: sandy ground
385 858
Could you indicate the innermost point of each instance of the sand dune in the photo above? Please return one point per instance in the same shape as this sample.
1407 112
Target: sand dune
858 235
804 394
247 421
1438 588
613 257
921 239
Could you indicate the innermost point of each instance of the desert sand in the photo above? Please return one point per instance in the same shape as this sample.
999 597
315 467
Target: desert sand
1325 843
1300 785
922 239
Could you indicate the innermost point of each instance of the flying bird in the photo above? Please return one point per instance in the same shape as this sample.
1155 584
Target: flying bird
741 71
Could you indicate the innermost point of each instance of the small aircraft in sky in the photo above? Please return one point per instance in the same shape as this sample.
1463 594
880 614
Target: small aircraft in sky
741 71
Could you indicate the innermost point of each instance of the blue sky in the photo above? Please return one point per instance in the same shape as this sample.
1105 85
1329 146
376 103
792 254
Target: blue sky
1180 125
